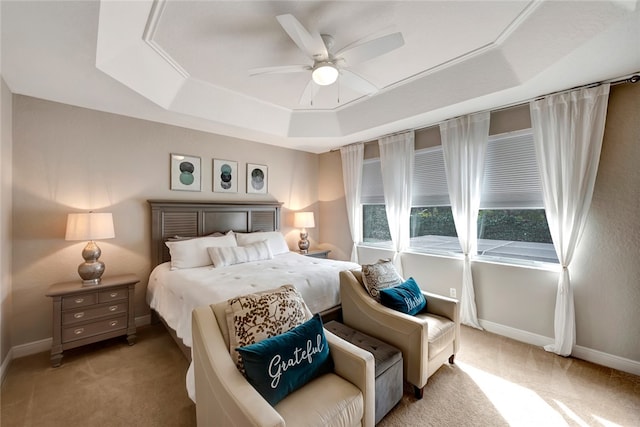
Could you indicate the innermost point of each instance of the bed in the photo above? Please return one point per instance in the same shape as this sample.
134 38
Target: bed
177 286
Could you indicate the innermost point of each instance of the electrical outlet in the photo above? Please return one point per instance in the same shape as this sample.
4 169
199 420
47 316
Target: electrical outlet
452 292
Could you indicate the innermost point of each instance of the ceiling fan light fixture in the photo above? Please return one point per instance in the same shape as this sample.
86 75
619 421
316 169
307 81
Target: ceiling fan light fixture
324 73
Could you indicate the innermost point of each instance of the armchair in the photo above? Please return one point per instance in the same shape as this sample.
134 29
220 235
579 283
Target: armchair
426 340
225 398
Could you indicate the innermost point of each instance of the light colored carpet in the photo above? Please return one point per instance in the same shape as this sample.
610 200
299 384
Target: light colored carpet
102 384
495 382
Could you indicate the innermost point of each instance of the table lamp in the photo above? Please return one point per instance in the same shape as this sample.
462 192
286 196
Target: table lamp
303 220
90 226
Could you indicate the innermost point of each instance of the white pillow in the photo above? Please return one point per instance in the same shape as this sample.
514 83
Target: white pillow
224 256
275 239
193 252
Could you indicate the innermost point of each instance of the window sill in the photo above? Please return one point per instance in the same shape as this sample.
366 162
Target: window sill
512 262
535 265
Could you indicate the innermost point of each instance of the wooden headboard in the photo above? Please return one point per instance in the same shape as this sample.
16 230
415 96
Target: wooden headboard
192 219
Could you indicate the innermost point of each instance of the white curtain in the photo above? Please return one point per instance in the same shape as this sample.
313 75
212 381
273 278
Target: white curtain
396 163
568 130
464 145
352 159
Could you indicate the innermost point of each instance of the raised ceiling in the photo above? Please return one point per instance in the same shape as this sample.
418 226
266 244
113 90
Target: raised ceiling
186 62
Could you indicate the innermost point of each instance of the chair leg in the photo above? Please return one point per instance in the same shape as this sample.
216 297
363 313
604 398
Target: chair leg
451 359
418 392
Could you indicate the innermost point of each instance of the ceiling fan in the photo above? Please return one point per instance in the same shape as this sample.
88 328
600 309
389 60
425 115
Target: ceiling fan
329 65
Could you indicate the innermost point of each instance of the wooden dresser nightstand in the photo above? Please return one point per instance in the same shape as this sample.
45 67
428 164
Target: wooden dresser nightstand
318 253
87 314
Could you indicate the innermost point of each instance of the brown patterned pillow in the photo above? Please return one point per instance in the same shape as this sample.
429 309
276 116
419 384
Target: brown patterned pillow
381 275
254 317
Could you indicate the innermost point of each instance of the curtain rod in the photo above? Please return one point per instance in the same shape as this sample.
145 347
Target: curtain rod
631 78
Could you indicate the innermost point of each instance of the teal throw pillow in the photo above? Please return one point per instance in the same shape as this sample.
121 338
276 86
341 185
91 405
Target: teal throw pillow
279 365
406 297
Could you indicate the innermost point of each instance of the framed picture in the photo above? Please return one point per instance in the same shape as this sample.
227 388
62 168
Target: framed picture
257 178
225 176
185 172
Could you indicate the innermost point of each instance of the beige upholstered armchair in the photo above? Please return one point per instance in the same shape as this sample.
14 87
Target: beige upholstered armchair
224 397
426 340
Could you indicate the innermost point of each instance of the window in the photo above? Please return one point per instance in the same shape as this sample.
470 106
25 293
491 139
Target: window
375 227
511 222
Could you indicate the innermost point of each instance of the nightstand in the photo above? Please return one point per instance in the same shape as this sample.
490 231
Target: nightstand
318 253
87 314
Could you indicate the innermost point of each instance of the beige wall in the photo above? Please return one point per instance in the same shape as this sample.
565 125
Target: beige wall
605 272
334 226
69 159
5 219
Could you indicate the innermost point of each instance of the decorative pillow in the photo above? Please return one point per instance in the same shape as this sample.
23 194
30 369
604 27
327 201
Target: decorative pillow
279 365
222 257
406 297
193 252
380 275
275 239
254 317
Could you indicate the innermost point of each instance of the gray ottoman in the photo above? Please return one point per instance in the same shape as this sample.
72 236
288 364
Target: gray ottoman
388 359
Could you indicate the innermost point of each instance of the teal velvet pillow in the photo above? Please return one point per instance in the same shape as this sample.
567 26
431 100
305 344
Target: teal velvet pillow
279 365
406 297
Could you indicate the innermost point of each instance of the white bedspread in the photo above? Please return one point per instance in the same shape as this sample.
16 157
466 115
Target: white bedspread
174 294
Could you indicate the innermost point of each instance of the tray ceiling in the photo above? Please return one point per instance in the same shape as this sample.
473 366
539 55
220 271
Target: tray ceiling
186 62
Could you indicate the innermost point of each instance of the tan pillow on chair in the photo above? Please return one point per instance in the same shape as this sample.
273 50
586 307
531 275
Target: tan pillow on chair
381 275
254 317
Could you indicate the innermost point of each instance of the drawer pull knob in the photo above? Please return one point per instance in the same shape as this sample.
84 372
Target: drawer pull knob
113 308
79 315
113 323
113 294
79 300
78 331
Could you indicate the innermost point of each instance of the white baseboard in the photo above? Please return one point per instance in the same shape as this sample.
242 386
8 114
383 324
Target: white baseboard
516 334
584 353
590 355
40 346
5 365
143 320
30 348
606 359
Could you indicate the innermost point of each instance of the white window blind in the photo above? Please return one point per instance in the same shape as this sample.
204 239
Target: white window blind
429 178
372 190
511 177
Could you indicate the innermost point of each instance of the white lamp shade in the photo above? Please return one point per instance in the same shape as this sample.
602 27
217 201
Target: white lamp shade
89 226
303 220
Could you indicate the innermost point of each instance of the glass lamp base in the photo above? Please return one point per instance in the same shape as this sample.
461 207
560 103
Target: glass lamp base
303 243
91 282
91 269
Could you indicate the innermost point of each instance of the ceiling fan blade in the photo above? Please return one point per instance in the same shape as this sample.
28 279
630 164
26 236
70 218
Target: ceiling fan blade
279 69
309 93
358 52
357 83
310 43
